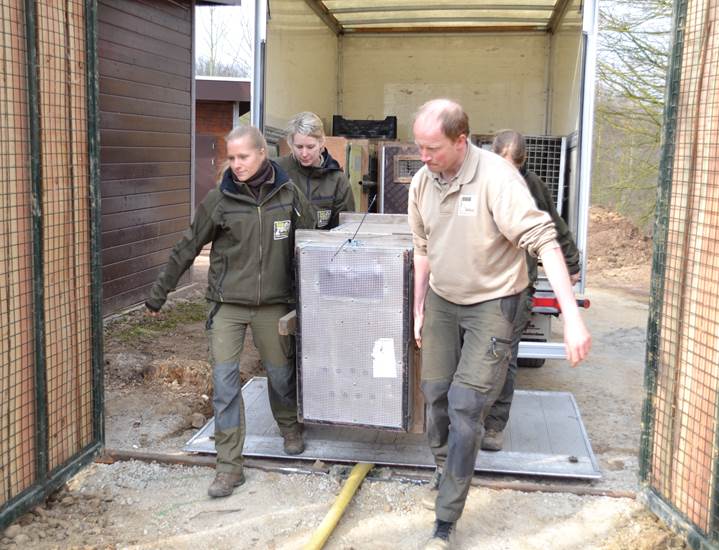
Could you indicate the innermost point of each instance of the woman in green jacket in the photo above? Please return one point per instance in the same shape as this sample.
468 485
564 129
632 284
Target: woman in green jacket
315 172
250 219
511 146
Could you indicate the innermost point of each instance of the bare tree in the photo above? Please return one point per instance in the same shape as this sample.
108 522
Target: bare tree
634 42
226 35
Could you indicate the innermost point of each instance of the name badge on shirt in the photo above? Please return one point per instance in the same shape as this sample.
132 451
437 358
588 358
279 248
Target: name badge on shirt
467 205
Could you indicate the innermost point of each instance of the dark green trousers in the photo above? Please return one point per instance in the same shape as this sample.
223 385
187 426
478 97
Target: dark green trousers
226 328
465 354
498 415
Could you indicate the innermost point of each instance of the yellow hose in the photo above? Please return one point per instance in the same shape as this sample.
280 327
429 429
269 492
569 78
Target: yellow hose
323 532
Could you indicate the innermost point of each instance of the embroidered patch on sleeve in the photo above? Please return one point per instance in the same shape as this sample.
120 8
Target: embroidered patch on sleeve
282 229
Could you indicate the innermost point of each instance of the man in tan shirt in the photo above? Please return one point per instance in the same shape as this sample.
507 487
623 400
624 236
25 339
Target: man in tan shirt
472 219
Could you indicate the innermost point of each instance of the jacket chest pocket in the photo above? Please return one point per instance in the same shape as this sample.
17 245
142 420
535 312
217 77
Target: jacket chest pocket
239 223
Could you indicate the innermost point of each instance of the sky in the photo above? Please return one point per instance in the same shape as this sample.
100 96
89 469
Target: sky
225 17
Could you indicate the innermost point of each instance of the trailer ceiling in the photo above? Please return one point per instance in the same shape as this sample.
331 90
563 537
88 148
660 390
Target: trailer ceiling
397 16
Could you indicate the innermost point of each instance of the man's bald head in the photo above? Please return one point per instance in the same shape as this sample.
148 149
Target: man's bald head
440 132
452 119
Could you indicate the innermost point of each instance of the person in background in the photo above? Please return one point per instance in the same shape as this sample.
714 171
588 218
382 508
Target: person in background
250 219
472 221
511 146
315 172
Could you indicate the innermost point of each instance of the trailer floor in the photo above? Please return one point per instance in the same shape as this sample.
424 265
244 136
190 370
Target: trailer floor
545 437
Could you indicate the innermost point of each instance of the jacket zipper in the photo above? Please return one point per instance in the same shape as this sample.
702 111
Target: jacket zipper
221 280
259 272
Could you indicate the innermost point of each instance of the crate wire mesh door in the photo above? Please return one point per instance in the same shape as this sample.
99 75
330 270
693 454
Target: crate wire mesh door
680 437
50 407
398 163
546 157
353 345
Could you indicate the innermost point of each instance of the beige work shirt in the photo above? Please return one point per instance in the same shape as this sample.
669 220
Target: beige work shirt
474 229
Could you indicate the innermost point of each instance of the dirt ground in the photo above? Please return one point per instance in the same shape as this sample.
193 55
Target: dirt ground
157 395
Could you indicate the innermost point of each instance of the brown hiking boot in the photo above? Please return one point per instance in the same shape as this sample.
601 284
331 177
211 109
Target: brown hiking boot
294 442
224 483
493 440
429 493
441 537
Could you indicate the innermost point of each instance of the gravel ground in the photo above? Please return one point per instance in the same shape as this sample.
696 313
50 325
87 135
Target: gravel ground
149 506
139 505
157 394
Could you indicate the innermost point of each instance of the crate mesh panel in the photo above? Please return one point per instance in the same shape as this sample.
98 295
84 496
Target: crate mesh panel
66 226
17 386
545 157
351 308
679 451
401 162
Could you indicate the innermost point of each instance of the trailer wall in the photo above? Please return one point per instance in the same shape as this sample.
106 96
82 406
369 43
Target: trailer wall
500 79
566 74
302 65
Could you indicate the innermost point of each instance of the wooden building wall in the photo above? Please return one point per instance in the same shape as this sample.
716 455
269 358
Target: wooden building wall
145 66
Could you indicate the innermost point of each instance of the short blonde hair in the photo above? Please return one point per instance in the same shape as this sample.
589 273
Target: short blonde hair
306 124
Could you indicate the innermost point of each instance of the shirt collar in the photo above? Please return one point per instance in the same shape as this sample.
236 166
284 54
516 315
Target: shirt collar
466 171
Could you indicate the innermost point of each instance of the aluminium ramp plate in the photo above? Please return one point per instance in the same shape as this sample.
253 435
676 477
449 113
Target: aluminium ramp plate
545 436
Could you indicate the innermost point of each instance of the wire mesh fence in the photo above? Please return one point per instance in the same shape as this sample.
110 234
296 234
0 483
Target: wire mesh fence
49 303
66 227
679 444
17 367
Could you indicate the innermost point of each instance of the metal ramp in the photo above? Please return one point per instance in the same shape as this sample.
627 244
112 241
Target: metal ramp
545 437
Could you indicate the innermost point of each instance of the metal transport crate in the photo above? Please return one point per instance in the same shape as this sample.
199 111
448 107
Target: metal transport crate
354 341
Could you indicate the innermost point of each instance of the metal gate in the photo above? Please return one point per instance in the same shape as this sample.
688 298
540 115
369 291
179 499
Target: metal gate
679 465
50 324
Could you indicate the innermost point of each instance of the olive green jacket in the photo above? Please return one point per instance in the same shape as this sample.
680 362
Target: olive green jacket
251 261
326 187
544 201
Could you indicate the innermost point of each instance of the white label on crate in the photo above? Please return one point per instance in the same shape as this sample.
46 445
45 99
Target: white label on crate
383 364
467 205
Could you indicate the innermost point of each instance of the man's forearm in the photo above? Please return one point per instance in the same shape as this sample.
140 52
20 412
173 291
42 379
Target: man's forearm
556 270
421 282
577 339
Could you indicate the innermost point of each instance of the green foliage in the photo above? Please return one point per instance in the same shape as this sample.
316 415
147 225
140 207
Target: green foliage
142 328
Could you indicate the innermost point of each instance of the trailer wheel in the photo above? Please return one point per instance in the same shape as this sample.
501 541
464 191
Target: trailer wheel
530 363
